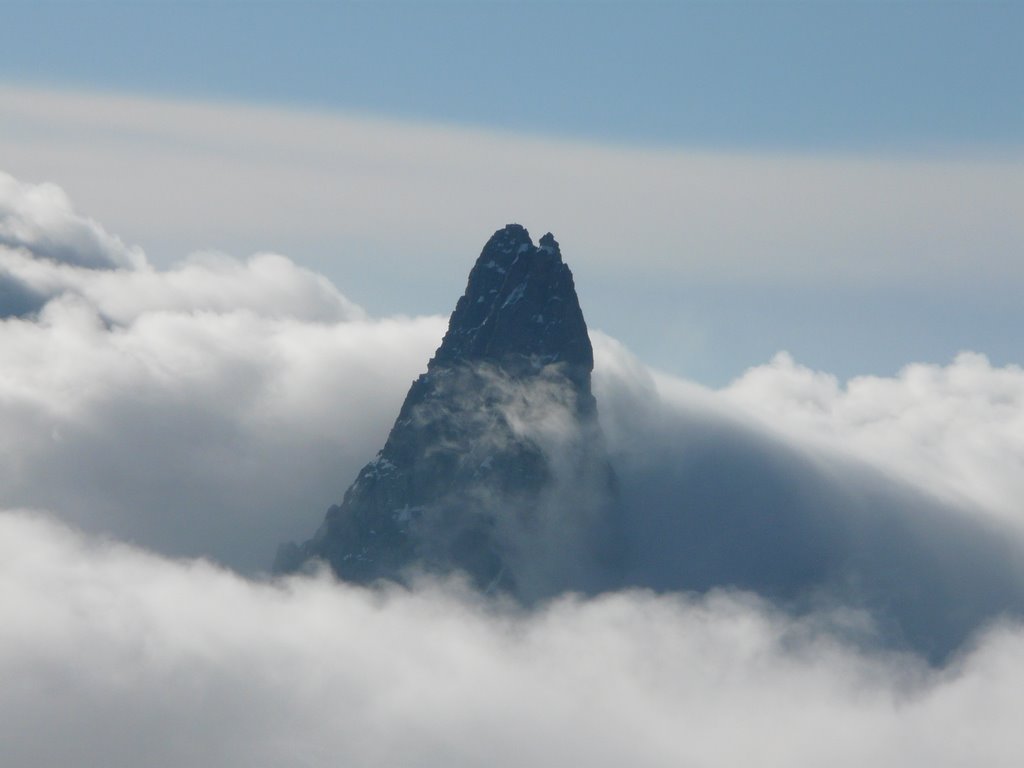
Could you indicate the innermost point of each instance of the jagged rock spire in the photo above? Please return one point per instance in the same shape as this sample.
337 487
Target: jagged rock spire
520 300
474 473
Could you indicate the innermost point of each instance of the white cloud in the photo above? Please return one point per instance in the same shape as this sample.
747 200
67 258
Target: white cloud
48 250
39 219
197 432
353 186
266 284
956 429
111 656
216 407
714 494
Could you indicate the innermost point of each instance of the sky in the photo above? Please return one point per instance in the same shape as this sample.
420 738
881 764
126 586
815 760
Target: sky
803 75
841 181
230 237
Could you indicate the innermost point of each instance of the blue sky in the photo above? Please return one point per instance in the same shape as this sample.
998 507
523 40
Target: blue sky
762 74
901 123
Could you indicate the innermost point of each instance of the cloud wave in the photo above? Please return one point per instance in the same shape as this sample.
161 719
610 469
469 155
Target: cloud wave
39 219
113 656
956 429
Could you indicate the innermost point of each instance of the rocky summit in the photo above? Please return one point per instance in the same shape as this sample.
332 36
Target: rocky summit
496 466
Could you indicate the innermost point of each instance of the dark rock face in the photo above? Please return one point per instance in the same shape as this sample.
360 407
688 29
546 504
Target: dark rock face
496 465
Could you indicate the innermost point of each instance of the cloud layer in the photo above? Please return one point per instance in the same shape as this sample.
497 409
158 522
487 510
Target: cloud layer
112 656
957 430
215 408
237 173
209 409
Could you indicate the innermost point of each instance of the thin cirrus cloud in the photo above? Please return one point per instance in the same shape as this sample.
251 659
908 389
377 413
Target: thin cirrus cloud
139 404
180 172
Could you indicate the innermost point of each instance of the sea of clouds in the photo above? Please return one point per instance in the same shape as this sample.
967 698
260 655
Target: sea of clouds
161 431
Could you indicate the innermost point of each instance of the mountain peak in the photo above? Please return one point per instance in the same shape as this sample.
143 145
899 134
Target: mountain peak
496 464
508 239
549 244
520 307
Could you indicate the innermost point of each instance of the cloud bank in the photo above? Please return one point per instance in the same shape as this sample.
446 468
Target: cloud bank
956 429
130 396
113 656
217 407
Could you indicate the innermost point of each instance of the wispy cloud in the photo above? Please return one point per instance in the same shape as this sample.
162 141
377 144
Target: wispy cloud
175 171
